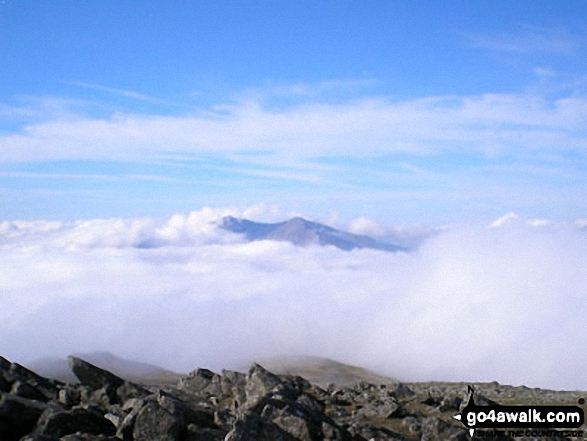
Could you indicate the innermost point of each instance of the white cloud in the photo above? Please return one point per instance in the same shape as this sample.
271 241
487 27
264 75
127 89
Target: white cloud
515 220
479 304
485 124
505 219
410 236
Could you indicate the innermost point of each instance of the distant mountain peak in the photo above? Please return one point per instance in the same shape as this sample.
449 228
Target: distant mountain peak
302 232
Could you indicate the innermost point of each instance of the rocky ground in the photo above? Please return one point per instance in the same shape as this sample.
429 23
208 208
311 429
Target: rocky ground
257 405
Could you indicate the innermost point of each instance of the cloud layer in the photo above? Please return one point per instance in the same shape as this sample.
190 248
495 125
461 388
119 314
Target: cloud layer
469 304
489 124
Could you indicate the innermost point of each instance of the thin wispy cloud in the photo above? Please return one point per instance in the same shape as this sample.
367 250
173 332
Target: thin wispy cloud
529 40
131 94
278 174
90 177
60 176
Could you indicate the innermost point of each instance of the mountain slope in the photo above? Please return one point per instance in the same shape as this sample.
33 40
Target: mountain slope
128 369
302 232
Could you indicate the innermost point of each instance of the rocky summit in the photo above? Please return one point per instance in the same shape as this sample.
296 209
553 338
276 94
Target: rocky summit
235 406
302 232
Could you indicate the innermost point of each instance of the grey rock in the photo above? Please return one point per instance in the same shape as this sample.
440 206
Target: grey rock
4 364
250 426
259 405
69 396
25 390
4 383
481 400
87 437
379 410
125 427
297 426
129 390
309 403
40 438
18 416
401 391
199 416
434 429
154 422
233 386
259 383
59 423
201 382
30 384
451 403
93 376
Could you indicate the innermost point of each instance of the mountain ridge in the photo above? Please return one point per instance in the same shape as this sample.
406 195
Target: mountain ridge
302 232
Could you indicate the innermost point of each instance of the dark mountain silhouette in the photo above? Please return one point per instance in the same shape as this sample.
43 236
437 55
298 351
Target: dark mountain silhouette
302 232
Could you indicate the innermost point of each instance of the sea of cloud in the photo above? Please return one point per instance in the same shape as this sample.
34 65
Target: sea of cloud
503 303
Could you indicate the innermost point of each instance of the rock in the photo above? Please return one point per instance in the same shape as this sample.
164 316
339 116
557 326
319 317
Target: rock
233 386
379 410
434 429
69 396
18 416
93 376
25 383
87 437
452 403
4 364
59 423
129 391
259 405
250 426
401 391
297 426
259 383
25 390
4 384
309 403
125 427
40 438
154 422
197 380
201 417
481 400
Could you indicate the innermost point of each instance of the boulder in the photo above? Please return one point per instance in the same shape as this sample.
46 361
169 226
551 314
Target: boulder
58 423
30 384
93 376
154 422
233 386
198 380
250 426
4 364
18 416
25 390
434 429
259 382
4 384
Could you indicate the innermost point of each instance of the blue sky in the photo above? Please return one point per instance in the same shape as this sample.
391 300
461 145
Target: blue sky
126 122
415 111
